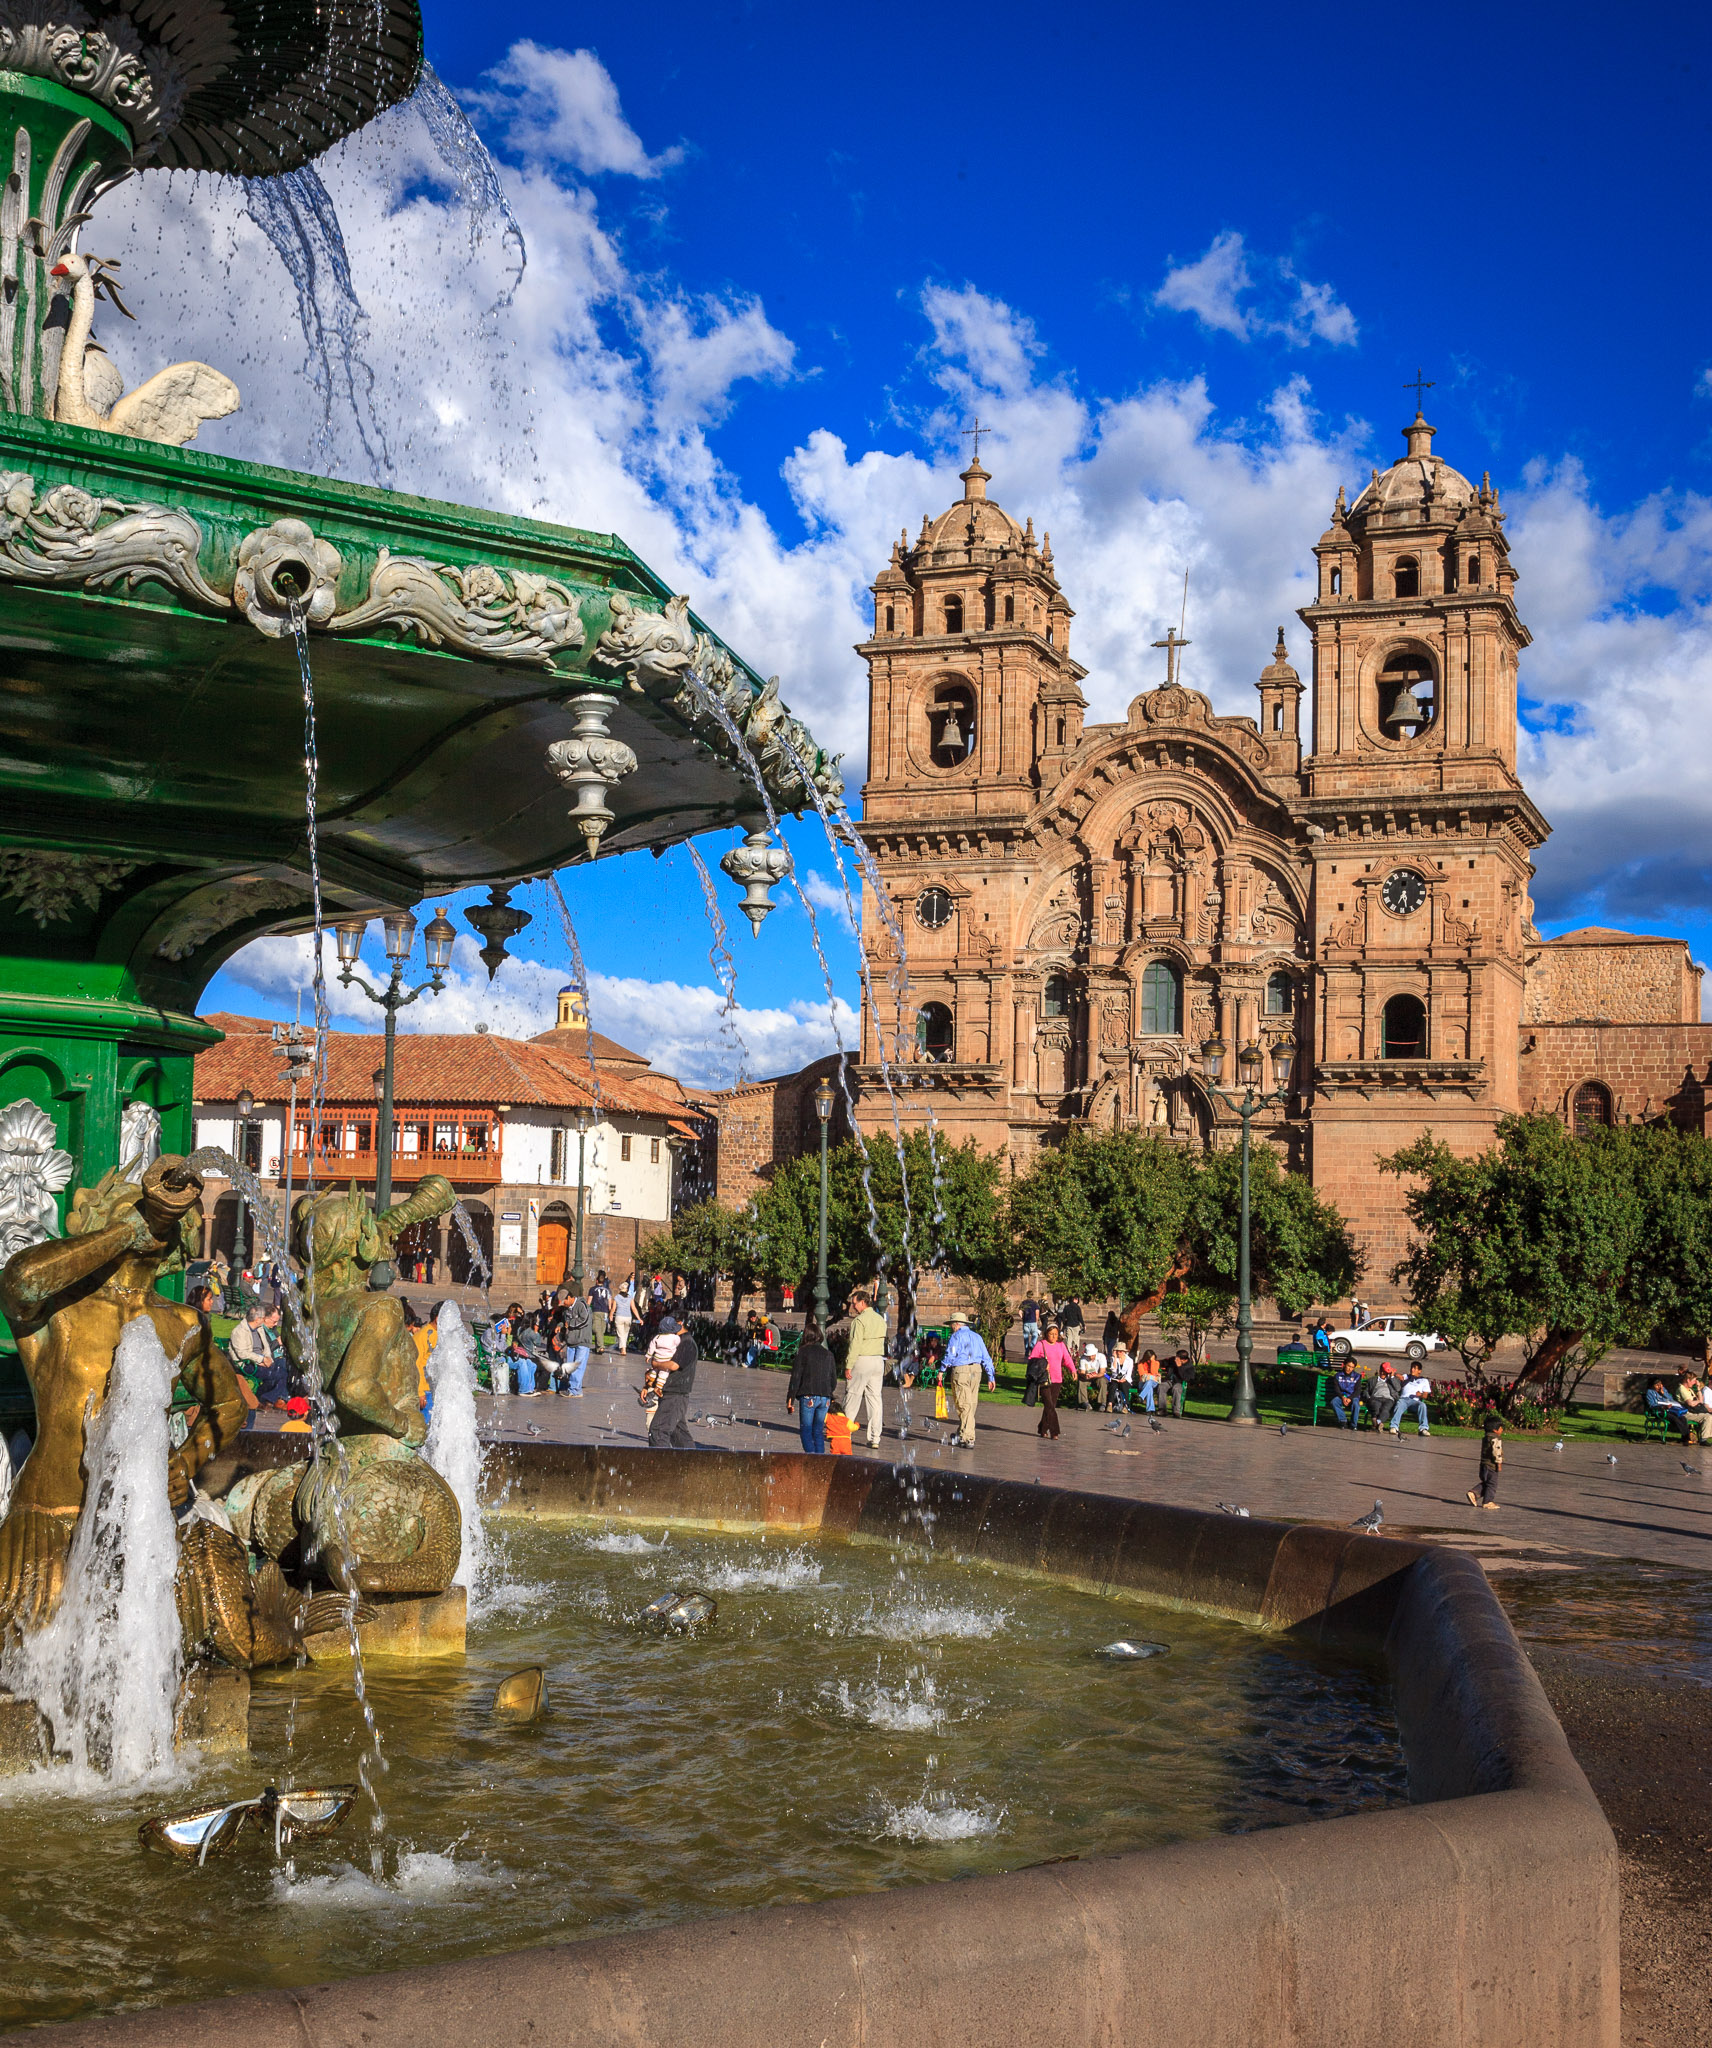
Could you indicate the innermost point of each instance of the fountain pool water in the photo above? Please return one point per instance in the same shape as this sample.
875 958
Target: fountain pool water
853 1719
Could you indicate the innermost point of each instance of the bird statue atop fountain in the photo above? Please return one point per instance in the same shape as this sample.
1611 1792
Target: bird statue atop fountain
169 406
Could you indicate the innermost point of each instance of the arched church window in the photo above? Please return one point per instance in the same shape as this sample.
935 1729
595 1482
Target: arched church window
1055 999
933 1032
1408 696
954 615
1049 636
1161 999
933 908
889 618
1337 583
1592 1108
1277 718
1403 1029
1061 732
1474 572
951 724
1407 577
1280 996
1010 610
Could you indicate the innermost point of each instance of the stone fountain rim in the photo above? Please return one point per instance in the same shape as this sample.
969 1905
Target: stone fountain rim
1505 1868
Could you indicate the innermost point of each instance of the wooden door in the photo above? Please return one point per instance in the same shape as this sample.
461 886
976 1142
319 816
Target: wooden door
552 1253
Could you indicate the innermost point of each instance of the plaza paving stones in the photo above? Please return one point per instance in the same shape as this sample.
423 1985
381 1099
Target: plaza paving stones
1557 1506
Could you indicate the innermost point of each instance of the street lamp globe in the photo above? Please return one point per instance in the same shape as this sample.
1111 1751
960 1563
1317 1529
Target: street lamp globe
1283 1060
1213 1057
1248 1065
823 1100
350 936
582 1121
437 941
400 929
246 1103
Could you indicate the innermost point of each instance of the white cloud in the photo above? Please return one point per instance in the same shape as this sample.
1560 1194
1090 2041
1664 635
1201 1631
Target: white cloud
1215 286
677 1025
827 897
1211 286
561 107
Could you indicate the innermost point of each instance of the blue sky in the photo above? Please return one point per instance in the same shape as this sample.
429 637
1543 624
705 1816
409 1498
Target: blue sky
1183 263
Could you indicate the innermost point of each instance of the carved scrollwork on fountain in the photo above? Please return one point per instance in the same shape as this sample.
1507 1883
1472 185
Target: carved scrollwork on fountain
56 886
71 537
212 911
662 655
493 614
104 63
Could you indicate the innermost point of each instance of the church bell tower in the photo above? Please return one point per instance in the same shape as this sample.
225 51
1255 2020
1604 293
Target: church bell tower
1420 830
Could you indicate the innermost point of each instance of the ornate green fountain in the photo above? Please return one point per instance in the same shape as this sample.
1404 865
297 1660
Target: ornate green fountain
492 697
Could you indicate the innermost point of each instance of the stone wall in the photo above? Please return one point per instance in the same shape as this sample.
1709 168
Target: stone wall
1648 1070
761 1126
1612 977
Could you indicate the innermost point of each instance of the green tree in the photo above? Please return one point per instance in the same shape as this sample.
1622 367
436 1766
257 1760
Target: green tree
710 1240
956 1215
1130 1217
1559 1246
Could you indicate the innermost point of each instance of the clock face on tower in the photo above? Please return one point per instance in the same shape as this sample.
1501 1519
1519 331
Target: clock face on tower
1403 893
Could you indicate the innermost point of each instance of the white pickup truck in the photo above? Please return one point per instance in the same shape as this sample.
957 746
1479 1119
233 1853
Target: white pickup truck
1386 1337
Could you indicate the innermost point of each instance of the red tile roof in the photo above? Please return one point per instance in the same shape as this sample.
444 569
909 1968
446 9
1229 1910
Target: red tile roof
474 1069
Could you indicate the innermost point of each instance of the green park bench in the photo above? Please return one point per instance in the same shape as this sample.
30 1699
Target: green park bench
1301 1357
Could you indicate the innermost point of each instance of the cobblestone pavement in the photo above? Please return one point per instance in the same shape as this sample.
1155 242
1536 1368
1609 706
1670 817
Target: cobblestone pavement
1645 1507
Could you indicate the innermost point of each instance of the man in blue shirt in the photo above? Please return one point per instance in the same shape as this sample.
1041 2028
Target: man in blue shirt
966 1357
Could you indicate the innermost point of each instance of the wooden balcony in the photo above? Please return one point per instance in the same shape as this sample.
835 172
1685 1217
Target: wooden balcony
463 1145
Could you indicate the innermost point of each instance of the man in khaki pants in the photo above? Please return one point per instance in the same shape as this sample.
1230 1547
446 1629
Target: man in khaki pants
865 1366
966 1358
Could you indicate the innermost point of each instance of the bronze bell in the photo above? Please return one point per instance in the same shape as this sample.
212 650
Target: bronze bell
951 739
1407 710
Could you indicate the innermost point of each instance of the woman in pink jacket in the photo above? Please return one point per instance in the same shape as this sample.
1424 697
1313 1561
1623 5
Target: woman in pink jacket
1057 1368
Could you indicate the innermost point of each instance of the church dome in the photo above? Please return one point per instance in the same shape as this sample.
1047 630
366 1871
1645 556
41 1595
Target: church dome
1420 486
973 522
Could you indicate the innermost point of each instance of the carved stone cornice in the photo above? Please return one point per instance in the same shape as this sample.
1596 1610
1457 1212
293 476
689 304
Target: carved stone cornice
1369 1079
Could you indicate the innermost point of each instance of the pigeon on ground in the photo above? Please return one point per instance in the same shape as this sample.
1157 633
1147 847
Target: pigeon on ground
1686 1466
1610 1457
1157 1426
1227 1508
1370 1522
534 1429
1283 1429
1558 1446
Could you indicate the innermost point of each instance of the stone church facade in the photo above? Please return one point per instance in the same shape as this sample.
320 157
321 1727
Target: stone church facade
1067 911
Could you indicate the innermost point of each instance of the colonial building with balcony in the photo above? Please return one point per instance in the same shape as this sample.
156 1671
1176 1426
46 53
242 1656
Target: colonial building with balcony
498 1117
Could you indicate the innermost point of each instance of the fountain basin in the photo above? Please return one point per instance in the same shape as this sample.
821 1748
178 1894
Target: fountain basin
1503 1871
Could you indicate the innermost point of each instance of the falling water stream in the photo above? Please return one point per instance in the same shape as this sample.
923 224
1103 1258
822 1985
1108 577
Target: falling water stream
106 1668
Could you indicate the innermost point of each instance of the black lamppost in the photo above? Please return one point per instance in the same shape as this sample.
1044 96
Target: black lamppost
1249 1064
582 1140
400 929
823 1110
241 1153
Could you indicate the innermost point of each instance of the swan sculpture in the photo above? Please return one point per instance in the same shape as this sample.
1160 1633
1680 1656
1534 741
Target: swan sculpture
170 406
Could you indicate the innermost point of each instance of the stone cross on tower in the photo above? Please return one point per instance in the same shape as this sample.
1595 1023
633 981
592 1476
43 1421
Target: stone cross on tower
1420 383
974 434
1173 643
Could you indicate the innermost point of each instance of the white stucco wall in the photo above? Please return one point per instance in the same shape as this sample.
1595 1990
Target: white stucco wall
638 1186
